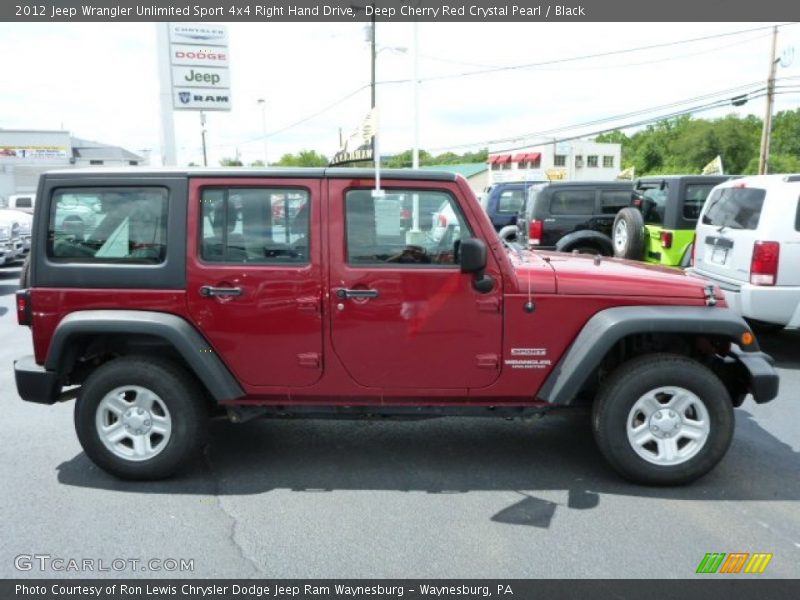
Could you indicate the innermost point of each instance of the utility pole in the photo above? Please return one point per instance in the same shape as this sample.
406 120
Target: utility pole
766 132
263 104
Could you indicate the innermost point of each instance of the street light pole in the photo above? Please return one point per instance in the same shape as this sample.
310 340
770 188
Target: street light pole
203 136
263 104
415 149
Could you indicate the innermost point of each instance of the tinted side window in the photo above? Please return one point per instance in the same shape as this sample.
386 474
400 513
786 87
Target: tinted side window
255 225
572 202
654 202
737 208
510 201
694 196
108 225
381 232
612 201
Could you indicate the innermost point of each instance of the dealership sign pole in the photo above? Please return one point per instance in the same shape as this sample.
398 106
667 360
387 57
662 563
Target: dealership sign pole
195 58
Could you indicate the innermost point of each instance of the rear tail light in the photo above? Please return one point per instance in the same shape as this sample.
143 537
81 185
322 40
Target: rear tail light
535 232
666 239
24 307
764 266
637 202
442 220
694 249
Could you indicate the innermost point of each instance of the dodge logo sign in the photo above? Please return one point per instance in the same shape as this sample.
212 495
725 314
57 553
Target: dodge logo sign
185 97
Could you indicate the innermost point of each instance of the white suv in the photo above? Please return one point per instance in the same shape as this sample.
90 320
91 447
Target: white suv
748 242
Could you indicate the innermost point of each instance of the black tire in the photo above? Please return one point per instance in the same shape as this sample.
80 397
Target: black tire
630 246
628 384
178 391
25 274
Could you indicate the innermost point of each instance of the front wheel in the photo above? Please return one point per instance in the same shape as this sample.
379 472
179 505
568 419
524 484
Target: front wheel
139 418
663 419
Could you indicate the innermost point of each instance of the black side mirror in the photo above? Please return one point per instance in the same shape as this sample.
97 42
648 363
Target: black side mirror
473 255
473 260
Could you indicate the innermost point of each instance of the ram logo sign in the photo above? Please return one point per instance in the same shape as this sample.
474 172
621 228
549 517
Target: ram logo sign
735 562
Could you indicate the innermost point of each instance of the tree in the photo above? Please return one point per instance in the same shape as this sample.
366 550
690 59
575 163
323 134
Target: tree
231 162
304 158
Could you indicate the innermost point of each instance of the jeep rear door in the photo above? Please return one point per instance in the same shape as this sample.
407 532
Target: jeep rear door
254 276
403 315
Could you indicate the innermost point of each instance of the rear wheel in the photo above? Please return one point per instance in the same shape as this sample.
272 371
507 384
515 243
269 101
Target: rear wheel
663 419
139 418
628 234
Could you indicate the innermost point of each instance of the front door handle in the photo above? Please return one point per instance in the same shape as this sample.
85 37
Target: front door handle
208 290
343 293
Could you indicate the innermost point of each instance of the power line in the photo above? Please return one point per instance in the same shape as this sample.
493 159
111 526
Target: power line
589 56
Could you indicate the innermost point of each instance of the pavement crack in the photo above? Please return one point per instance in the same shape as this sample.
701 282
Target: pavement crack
234 521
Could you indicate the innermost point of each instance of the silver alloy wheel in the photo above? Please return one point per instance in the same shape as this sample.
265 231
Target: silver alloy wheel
668 426
620 236
133 423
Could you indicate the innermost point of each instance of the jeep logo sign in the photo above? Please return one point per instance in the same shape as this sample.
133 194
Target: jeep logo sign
184 77
202 99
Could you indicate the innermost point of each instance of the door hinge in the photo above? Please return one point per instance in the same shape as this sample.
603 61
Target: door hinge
309 360
491 305
487 361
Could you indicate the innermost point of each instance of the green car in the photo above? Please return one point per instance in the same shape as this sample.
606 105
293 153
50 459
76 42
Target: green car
659 225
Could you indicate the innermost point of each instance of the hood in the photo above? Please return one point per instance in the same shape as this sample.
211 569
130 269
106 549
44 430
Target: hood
579 274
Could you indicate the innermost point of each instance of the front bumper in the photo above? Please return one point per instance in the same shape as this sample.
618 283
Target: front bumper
35 383
763 379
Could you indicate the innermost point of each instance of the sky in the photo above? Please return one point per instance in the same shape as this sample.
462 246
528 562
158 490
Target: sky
100 82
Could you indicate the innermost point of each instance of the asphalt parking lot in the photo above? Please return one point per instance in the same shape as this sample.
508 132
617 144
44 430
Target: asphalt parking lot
440 498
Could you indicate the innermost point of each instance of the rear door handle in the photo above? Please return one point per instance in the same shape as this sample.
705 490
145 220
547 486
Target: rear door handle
343 293
208 290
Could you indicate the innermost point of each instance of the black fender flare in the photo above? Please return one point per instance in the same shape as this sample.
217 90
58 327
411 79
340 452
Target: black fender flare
593 238
607 327
176 331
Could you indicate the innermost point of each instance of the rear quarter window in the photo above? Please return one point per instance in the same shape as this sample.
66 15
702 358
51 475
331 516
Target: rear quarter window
510 201
735 207
108 225
572 202
797 217
612 201
694 196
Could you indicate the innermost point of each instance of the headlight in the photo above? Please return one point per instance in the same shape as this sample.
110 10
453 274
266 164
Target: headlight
5 232
24 228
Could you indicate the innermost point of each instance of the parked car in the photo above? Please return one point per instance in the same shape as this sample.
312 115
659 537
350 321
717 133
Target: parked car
183 302
659 226
572 216
748 243
11 237
23 202
503 203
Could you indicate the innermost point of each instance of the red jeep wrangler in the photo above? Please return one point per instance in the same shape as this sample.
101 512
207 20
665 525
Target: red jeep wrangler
306 293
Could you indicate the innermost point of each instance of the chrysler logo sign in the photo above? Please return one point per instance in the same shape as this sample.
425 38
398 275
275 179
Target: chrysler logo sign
199 34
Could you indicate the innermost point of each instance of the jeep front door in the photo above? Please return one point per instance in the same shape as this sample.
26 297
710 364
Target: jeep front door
403 315
254 276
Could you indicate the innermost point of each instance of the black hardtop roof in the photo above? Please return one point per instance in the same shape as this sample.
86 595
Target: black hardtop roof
709 178
613 183
251 173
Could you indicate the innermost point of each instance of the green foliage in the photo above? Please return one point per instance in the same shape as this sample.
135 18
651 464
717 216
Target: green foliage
231 162
403 160
686 145
304 158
